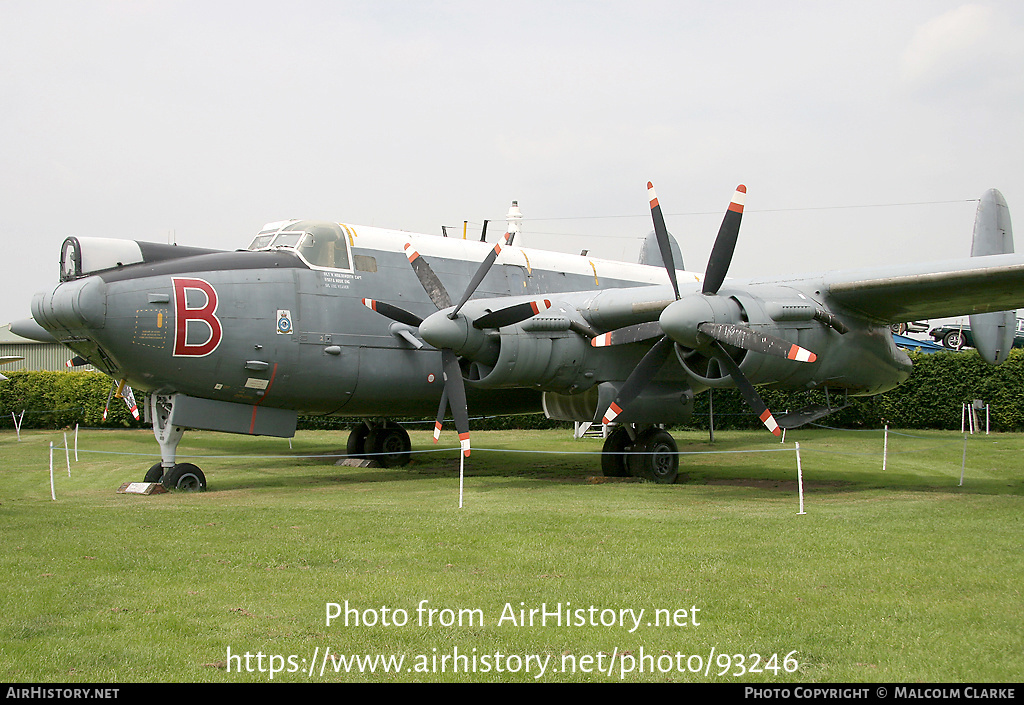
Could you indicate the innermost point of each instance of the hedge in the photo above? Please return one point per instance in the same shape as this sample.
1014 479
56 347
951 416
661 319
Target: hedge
931 398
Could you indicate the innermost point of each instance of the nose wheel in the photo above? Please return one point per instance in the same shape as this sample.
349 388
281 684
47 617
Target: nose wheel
182 476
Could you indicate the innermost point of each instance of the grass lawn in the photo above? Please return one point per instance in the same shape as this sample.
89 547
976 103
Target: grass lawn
898 576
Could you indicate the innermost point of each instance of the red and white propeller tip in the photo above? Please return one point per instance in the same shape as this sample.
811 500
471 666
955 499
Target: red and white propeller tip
739 199
613 411
801 354
769 421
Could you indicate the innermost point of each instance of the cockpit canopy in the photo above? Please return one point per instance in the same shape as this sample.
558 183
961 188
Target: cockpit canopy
322 244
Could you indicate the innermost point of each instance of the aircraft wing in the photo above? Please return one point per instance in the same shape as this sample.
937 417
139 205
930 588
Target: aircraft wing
898 293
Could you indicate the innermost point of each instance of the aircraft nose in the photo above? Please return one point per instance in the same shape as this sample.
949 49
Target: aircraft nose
72 306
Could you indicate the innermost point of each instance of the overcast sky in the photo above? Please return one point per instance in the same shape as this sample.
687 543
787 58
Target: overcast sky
135 119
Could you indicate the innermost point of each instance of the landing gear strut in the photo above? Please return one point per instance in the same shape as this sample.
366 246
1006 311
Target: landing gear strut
172 475
383 441
650 453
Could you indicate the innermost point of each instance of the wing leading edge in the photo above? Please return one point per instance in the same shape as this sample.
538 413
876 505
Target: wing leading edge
934 290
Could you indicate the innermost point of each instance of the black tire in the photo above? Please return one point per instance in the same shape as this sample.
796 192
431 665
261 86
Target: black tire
655 457
898 328
185 477
952 340
389 445
614 453
356 446
155 473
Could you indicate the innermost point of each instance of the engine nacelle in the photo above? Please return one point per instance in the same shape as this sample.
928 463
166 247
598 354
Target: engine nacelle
554 361
658 403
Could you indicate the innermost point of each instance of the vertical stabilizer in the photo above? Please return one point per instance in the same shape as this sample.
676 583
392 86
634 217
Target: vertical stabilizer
993 332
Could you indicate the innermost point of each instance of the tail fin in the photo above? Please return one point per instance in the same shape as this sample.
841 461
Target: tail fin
993 235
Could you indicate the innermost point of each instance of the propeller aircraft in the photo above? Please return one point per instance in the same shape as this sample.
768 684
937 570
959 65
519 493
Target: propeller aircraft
330 318
4 359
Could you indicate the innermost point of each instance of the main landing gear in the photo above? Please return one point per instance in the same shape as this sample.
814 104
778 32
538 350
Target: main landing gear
172 475
647 452
383 441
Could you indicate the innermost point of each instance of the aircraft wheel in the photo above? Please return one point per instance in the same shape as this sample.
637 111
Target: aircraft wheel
655 457
613 454
154 473
389 445
186 477
356 446
952 340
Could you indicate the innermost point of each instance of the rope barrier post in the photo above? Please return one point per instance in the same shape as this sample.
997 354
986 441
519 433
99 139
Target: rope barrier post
462 470
67 453
963 416
800 478
76 443
885 447
53 494
963 462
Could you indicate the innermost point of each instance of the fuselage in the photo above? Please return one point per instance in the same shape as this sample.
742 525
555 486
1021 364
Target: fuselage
283 324
286 327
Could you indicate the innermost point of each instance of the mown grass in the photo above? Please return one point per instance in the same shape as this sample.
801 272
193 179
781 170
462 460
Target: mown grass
902 576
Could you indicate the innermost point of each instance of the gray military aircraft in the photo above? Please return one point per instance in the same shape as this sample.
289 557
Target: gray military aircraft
4 359
330 318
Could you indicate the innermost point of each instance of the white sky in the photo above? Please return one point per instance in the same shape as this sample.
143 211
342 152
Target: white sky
132 119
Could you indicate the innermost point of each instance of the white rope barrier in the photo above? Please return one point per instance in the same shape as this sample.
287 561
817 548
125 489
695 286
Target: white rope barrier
327 456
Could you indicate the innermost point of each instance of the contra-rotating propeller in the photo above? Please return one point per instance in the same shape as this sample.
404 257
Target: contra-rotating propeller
699 321
118 389
447 330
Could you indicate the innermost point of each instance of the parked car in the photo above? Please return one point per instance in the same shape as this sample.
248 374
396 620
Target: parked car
909 327
955 337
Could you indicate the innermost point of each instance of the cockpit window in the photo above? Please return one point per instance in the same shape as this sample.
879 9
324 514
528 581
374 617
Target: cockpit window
262 241
320 244
324 246
288 239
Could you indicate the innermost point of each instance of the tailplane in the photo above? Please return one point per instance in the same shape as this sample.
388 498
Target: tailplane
993 332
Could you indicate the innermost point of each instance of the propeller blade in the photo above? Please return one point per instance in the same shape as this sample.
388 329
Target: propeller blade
661 233
440 413
745 338
639 378
747 390
393 312
725 243
110 395
480 273
456 390
129 399
629 334
428 280
512 315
